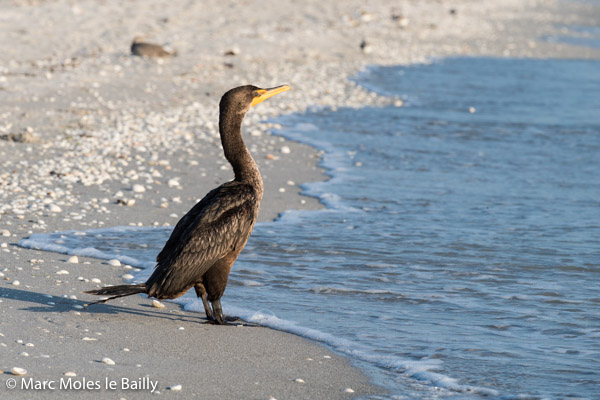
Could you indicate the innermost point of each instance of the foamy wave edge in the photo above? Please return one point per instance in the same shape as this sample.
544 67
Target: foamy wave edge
421 370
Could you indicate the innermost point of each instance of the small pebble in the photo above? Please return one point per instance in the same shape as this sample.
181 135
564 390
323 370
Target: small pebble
108 361
5 232
348 390
16 283
70 373
18 371
114 263
472 110
298 380
286 150
30 345
95 280
137 188
24 354
175 388
62 272
234 51
73 260
127 276
157 304
88 339
173 183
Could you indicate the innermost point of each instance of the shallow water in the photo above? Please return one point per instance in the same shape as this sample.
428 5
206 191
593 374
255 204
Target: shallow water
459 254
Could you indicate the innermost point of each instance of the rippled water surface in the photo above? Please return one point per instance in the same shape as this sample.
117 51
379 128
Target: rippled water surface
459 255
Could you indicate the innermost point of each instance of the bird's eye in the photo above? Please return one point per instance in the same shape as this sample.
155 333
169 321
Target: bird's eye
255 94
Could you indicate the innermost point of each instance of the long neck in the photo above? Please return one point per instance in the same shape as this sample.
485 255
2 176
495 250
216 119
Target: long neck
236 152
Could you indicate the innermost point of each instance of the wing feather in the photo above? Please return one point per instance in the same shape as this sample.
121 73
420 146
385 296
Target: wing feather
220 223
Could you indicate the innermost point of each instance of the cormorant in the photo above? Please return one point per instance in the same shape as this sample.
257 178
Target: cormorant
209 238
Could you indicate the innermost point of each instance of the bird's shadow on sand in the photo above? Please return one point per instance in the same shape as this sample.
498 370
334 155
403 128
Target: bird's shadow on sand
47 303
54 304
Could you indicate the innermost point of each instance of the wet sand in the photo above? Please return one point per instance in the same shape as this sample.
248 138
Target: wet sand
94 137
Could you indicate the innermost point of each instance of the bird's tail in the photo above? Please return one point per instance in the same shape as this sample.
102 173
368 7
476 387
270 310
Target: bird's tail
117 291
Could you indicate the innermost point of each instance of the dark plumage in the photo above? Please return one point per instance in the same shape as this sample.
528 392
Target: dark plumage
208 239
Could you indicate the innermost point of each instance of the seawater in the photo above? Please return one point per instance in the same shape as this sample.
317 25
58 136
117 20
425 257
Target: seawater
458 255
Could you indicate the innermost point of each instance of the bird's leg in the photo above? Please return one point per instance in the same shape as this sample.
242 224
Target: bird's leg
218 312
201 292
207 310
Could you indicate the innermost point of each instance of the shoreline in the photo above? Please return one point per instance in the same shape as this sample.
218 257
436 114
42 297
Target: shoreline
101 122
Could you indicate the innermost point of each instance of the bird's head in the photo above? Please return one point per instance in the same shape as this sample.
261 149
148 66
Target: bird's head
240 99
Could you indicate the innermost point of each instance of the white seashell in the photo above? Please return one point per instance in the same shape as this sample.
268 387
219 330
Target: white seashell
114 263
157 304
62 272
175 388
73 260
298 380
108 361
70 373
18 371
54 208
137 188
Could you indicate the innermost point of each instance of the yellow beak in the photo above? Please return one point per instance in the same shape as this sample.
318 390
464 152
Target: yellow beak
263 94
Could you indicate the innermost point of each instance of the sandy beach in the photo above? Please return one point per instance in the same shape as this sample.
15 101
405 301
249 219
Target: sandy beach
92 137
